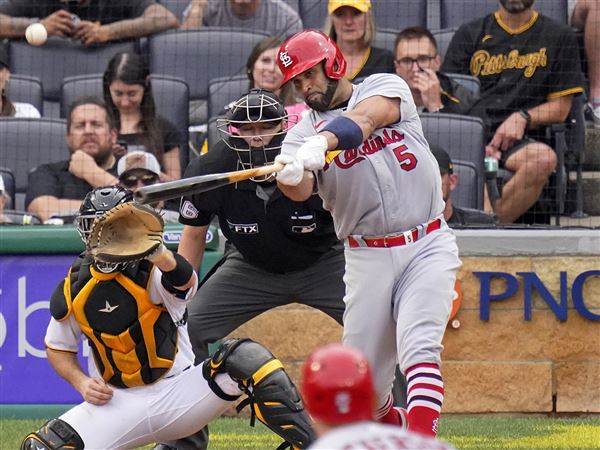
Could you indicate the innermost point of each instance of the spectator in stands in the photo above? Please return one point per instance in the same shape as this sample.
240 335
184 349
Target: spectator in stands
137 169
4 200
529 68
57 189
418 63
453 214
586 17
264 73
10 216
272 16
130 103
100 21
7 107
351 25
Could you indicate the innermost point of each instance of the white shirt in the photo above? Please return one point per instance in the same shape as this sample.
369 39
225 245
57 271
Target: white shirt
375 436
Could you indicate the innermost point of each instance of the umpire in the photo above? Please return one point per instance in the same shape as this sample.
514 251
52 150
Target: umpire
277 252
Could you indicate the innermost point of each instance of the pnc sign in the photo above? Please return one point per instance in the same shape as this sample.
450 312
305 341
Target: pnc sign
531 284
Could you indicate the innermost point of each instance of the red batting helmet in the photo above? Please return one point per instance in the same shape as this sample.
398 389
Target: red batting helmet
337 386
307 49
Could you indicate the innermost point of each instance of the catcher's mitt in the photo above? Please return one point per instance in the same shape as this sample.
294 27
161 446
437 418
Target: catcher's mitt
125 233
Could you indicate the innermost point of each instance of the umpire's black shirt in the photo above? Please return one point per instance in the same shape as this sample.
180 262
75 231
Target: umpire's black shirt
271 232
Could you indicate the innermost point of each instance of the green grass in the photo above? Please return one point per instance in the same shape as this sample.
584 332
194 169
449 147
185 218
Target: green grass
476 432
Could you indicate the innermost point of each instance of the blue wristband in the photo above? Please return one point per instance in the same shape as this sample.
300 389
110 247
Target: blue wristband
347 131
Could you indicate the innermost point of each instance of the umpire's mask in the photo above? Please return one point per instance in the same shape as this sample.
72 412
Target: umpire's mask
255 127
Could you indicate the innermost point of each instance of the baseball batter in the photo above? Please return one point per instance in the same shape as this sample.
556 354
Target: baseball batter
363 150
144 384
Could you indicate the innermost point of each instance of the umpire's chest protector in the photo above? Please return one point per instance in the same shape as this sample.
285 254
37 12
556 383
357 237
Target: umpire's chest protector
134 341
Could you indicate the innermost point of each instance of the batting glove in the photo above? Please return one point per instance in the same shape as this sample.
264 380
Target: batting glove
312 152
292 172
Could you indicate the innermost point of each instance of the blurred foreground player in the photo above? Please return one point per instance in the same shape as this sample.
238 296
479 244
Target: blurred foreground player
338 390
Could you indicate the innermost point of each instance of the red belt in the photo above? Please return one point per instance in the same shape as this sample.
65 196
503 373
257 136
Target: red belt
396 239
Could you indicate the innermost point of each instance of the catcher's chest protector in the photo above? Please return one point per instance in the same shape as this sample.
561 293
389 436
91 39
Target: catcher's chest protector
134 341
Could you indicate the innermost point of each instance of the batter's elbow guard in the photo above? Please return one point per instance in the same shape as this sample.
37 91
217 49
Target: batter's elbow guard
56 434
273 397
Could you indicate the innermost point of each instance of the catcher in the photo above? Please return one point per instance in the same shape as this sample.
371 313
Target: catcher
127 294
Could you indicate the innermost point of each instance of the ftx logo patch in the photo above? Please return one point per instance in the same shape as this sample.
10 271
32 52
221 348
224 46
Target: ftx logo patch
243 228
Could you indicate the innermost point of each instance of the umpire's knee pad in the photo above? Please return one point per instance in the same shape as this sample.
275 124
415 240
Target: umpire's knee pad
56 434
273 396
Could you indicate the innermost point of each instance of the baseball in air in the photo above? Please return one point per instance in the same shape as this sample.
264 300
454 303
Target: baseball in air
36 34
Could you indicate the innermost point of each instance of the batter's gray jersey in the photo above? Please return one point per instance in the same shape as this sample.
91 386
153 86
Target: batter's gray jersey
391 183
371 435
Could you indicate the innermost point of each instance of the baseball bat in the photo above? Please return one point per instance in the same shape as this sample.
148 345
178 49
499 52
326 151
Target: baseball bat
201 183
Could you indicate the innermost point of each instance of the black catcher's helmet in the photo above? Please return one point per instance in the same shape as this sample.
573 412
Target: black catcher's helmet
95 203
258 105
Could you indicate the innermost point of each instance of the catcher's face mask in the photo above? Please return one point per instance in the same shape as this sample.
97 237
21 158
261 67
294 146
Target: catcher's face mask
254 129
96 203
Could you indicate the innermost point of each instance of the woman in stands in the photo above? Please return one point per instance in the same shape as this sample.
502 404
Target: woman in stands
7 107
263 72
128 96
351 25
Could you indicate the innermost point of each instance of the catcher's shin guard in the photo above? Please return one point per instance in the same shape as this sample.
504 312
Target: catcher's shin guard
56 434
271 393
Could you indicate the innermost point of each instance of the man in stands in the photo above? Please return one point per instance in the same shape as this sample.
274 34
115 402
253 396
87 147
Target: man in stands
87 21
57 189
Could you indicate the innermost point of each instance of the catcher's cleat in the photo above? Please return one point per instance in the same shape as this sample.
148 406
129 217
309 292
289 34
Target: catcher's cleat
272 395
56 434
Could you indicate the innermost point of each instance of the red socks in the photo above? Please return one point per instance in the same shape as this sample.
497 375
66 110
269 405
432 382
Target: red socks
425 397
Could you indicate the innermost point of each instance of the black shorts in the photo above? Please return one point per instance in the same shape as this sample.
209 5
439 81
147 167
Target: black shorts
519 145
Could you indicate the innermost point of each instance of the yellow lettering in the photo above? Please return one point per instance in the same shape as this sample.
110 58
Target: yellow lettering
484 64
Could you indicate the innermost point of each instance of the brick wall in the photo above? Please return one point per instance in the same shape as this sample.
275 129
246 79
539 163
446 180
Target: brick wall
505 364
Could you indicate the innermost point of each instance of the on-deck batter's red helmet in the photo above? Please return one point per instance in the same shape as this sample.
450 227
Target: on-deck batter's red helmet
307 49
337 386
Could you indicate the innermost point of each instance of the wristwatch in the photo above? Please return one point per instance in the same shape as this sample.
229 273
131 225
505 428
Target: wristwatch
525 115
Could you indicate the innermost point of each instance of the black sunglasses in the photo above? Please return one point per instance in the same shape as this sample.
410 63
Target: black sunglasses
132 180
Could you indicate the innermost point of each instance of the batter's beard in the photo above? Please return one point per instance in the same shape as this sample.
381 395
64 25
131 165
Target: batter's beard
323 104
516 7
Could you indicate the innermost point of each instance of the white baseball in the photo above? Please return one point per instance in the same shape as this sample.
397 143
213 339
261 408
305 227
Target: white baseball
36 34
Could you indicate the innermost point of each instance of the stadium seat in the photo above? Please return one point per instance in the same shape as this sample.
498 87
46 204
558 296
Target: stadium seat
9 185
463 137
443 38
59 58
27 143
224 90
466 194
171 96
198 56
390 14
295 4
468 81
386 38
454 13
26 89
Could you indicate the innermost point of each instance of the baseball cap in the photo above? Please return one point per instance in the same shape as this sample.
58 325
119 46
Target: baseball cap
443 159
3 57
138 160
362 5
